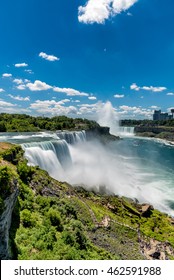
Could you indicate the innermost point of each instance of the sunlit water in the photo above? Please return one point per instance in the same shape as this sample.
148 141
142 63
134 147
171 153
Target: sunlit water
134 167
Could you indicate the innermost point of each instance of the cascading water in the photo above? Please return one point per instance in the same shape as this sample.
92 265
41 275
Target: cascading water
72 137
126 131
107 116
54 155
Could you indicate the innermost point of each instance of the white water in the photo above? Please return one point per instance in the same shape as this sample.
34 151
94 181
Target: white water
126 131
107 116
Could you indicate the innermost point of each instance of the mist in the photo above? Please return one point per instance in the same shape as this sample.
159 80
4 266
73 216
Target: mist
98 168
107 116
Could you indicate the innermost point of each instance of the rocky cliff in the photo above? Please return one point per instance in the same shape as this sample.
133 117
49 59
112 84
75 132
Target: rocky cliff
5 223
101 133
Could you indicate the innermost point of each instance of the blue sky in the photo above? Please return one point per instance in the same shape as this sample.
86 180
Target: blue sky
63 57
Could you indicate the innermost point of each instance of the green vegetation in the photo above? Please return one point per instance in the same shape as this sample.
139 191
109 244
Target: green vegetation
131 122
26 123
53 220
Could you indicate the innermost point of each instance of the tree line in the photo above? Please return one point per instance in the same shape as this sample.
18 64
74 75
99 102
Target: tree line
132 122
26 123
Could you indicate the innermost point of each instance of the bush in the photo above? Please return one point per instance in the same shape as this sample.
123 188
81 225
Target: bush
25 172
80 237
55 219
26 218
5 178
68 238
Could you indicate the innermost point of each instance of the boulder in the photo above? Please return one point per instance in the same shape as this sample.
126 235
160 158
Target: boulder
146 210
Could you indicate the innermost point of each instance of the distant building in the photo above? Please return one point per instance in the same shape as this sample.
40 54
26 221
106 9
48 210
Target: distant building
158 116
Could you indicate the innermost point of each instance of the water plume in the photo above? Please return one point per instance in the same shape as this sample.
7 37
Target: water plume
107 116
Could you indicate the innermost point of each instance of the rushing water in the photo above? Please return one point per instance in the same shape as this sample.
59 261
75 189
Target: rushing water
127 131
139 168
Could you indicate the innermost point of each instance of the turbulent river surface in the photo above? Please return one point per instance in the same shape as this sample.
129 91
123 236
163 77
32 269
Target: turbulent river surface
139 168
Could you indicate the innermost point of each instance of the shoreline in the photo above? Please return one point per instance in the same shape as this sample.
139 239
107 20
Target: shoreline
156 139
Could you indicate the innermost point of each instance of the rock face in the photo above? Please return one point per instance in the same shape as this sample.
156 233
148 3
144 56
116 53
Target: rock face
102 133
146 210
5 223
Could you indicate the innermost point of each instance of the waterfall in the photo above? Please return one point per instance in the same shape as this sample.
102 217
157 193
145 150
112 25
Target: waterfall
126 131
72 137
53 155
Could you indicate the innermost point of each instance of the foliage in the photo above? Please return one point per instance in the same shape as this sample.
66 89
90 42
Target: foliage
3 126
22 122
55 219
11 153
25 172
5 181
132 122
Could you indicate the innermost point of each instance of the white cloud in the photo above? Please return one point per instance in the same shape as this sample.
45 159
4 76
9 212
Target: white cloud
76 101
169 109
148 88
51 107
1 90
6 75
14 110
134 87
21 65
154 107
63 101
19 98
21 87
170 93
5 104
119 95
38 86
18 81
99 11
154 89
48 57
70 91
122 5
135 112
29 71
92 98
89 109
